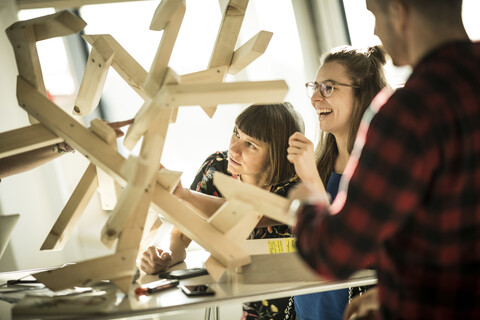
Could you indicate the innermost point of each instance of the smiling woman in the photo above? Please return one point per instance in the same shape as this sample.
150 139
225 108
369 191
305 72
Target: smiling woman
351 78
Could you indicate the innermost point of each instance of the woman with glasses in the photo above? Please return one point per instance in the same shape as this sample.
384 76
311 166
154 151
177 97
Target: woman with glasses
345 84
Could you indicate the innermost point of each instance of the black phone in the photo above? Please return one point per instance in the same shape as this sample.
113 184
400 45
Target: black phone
197 290
183 273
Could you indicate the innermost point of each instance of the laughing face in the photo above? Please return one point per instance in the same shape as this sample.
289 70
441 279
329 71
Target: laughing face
334 112
248 157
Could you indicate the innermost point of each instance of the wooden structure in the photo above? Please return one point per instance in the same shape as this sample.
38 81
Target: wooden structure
146 190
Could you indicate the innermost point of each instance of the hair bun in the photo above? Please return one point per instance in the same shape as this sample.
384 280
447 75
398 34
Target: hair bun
378 53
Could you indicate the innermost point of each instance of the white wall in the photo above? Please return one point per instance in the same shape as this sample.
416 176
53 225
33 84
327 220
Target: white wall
38 195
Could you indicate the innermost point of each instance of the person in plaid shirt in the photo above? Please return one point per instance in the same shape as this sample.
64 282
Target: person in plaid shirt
409 201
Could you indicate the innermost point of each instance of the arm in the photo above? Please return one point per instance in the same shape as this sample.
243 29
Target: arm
207 204
29 160
382 184
301 154
155 260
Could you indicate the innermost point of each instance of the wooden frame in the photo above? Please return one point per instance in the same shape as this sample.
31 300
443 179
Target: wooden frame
147 190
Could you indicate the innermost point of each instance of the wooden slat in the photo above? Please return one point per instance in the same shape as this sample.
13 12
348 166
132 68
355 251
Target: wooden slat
126 66
26 139
93 81
23 36
89 271
61 4
150 114
108 189
74 133
264 202
249 51
167 17
229 215
219 93
196 228
226 39
73 211
210 75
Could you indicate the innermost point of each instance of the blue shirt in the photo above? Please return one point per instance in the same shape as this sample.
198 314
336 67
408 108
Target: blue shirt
328 305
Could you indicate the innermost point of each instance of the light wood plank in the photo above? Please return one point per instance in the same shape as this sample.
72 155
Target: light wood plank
222 93
108 189
74 133
150 114
73 211
89 271
62 4
226 40
196 228
167 17
229 214
264 202
26 139
94 77
249 51
126 66
169 179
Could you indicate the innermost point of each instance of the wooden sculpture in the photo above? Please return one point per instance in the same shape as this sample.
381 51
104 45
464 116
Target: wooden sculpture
147 191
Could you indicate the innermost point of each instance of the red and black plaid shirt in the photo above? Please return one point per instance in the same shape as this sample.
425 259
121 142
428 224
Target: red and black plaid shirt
410 201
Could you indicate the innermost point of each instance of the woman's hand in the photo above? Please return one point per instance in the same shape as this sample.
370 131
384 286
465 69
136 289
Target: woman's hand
365 306
117 125
155 260
301 153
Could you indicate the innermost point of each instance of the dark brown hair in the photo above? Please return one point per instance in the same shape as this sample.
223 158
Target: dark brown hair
364 67
273 124
443 11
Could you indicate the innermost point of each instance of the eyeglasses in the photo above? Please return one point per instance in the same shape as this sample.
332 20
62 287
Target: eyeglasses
326 87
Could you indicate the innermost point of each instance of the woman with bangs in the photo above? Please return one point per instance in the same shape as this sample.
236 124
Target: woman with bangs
257 155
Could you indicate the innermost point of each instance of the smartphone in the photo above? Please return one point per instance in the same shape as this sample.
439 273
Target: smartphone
183 273
197 290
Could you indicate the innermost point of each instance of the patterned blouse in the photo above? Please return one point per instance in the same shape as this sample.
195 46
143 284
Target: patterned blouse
272 309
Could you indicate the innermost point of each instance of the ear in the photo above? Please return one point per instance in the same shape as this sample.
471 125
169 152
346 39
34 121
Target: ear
399 13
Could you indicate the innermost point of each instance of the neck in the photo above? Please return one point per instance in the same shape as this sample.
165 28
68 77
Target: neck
426 37
257 180
343 154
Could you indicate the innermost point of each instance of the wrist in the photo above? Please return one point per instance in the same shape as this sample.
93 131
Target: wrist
62 147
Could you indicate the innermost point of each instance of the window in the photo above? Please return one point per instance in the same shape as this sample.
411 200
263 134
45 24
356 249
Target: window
361 27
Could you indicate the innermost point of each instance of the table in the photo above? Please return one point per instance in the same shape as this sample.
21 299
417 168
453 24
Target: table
172 300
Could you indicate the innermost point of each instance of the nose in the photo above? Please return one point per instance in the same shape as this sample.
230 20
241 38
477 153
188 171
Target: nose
235 147
316 96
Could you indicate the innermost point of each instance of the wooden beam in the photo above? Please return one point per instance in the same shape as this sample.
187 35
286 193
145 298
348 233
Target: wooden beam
264 202
89 271
151 114
228 33
23 36
167 17
126 66
196 228
210 75
26 139
93 81
249 51
73 132
73 211
222 93
62 4
108 189
226 40
229 214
